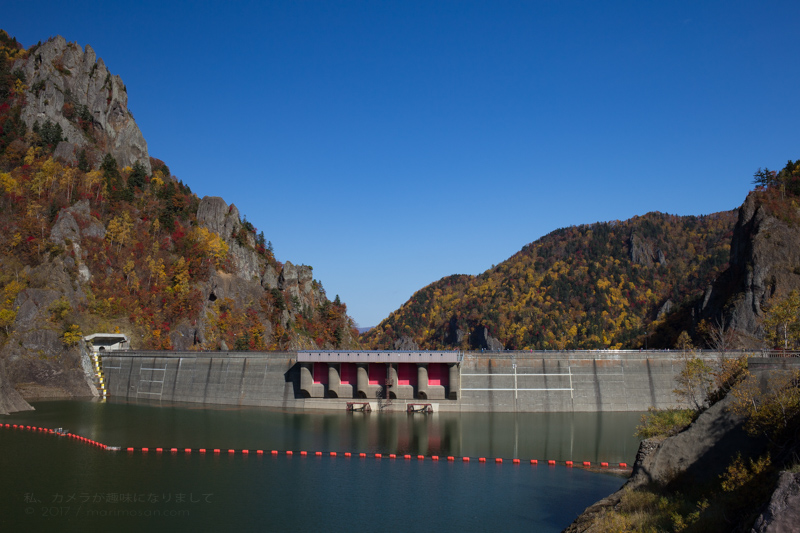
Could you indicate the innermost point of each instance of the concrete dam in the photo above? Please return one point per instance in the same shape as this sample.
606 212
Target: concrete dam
563 381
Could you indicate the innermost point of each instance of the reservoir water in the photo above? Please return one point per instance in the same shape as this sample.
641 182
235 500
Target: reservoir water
56 483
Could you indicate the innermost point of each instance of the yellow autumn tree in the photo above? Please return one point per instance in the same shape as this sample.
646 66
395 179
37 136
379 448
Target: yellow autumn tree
120 230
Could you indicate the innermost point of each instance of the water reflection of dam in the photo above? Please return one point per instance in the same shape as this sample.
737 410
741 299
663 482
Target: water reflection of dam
389 381
592 437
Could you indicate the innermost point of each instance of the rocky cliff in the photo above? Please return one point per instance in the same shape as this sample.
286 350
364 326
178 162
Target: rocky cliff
99 237
764 264
689 468
70 86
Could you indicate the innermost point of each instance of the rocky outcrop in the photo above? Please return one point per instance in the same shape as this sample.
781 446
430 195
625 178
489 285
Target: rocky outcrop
782 514
297 280
34 356
693 458
406 343
76 222
217 216
480 339
665 309
71 87
10 400
696 455
764 261
641 251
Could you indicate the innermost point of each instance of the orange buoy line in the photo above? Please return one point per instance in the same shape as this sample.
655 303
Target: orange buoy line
290 453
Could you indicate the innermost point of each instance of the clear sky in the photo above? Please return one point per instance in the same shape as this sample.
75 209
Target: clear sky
391 143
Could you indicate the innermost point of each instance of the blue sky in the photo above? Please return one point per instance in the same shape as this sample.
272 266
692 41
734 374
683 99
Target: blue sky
388 144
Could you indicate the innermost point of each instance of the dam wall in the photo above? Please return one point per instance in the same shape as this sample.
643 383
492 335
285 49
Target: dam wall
563 381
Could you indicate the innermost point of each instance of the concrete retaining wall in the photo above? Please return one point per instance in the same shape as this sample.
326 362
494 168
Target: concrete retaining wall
521 381
240 378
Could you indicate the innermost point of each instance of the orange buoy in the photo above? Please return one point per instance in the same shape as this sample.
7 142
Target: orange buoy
481 459
202 450
451 458
158 450
289 452
587 463
318 454
187 450
551 462
434 457
362 454
144 450
378 456
347 454
231 451
216 450
174 450
498 460
569 463
130 449
392 456
245 452
303 453
274 452
333 454
604 465
534 461
260 452
421 457
465 459
406 456
515 461
623 465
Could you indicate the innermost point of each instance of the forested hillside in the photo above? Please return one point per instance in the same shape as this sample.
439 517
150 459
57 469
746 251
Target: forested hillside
95 235
604 285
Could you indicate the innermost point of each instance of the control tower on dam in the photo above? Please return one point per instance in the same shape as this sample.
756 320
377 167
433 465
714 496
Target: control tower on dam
561 381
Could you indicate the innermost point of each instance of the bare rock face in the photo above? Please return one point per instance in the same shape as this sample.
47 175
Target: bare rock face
641 251
269 280
10 400
406 343
480 338
665 309
67 224
297 280
217 216
64 81
782 514
697 455
213 213
764 263
66 153
687 456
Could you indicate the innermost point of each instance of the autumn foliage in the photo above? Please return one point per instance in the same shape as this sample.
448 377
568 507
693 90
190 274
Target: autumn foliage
578 287
147 270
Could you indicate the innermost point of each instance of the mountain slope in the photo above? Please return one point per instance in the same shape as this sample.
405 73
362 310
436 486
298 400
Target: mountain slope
99 237
603 285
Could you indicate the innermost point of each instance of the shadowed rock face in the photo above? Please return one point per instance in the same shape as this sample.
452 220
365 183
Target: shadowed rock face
763 264
59 73
782 515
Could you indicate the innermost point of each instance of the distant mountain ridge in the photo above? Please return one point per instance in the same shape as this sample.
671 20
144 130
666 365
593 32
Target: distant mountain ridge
603 285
